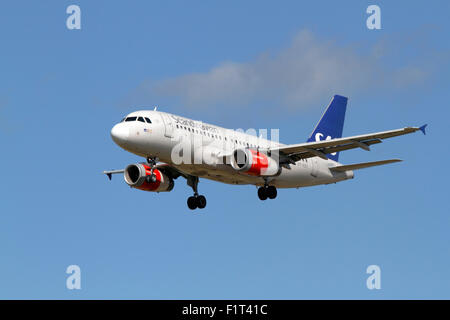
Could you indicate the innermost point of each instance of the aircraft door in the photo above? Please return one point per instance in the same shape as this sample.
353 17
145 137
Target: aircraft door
168 125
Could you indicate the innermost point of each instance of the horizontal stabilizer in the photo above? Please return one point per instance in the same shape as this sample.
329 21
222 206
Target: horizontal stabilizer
363 165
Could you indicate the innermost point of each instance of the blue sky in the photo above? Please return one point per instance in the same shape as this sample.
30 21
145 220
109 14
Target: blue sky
62 90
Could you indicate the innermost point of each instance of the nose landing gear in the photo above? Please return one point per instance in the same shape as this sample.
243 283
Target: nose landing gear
152 163
195 201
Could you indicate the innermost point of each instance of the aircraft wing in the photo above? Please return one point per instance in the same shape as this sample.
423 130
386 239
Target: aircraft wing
171 171
296 152
109 173
166 168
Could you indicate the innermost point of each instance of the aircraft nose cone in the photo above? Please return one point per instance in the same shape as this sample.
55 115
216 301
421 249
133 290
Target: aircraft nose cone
120 133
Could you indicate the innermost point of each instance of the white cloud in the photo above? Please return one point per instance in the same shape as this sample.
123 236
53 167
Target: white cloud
295 77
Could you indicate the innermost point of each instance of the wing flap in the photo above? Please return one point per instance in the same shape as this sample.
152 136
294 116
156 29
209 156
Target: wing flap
304 155
363 165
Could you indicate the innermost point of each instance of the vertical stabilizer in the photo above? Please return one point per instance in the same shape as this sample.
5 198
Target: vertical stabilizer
331 124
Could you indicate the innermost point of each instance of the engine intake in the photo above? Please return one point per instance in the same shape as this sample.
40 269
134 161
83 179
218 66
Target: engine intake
254 163
135 176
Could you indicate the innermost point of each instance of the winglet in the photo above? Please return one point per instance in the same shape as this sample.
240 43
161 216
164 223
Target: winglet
422 128
109 175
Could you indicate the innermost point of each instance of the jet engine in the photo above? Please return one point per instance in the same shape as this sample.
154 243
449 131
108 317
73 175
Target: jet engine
254 163
139 176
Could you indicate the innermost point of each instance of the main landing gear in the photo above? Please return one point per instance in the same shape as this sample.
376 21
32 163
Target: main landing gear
195 201
267 192
152 163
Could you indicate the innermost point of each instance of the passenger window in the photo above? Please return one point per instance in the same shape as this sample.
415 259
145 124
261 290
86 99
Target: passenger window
130 119
141 119
148 120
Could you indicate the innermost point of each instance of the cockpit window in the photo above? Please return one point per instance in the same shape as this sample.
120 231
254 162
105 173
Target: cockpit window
130 119
148 120
141 119
122 120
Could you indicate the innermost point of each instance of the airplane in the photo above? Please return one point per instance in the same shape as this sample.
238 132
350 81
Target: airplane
175 146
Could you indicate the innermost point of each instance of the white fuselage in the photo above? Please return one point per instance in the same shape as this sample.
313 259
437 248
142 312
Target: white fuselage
161 138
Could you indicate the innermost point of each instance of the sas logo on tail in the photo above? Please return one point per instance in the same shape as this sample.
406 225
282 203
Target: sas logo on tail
318 137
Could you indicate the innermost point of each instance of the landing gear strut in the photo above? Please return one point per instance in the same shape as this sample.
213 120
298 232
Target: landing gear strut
152 163
267 192
195 201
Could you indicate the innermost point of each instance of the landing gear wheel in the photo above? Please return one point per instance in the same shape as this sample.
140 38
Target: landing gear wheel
192 203
152 161
151 178
201 202
271 192
262 194
196 201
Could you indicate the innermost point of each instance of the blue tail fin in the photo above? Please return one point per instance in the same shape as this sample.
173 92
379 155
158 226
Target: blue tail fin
331 124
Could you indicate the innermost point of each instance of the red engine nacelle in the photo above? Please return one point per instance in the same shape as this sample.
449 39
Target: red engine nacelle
254 163
138 176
